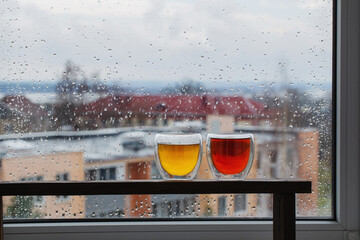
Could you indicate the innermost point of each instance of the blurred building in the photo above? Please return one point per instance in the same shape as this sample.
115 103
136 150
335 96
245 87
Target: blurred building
121 169
18 115
58 166
122 153
109 155
293 153
163 110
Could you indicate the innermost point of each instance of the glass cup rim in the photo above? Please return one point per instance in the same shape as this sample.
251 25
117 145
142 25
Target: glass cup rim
176 133
178 138
229 136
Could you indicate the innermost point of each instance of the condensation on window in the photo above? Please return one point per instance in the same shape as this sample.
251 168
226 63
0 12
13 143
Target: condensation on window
86 85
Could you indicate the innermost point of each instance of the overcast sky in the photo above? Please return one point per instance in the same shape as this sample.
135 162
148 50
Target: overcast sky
143 40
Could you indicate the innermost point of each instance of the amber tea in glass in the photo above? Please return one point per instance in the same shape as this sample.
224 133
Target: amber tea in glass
178 156
230 156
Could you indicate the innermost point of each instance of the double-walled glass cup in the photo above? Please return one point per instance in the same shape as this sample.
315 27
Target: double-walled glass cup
178 156
230 156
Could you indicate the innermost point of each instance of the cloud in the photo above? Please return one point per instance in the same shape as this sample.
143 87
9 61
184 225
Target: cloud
126 8
167 40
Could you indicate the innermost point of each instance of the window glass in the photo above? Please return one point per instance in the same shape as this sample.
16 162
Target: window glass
86 85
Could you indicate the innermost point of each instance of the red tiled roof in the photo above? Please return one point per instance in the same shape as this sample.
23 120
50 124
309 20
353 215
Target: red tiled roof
174 105
23 105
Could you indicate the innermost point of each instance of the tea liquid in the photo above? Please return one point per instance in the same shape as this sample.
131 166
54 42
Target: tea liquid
178 160
230 156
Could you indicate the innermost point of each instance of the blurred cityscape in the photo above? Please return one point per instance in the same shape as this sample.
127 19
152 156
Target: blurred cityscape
84 129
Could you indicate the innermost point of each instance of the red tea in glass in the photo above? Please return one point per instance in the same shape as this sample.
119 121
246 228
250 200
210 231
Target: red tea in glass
230 155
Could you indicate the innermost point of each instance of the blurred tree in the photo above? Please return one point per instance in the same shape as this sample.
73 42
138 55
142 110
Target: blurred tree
21 207
67 91
84 86
116 89
73 91
98 86
188 87
68 85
